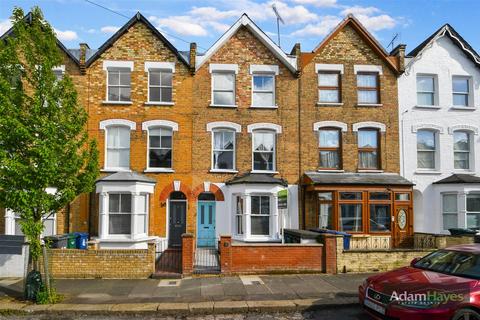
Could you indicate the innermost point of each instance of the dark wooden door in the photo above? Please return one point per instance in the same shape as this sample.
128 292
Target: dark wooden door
177 222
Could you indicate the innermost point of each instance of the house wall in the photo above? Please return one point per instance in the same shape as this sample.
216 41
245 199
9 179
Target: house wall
139 45
444 59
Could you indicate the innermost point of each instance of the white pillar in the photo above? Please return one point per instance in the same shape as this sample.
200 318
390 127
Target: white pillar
274 217
462 209
133 230
103 215
247 207
9 222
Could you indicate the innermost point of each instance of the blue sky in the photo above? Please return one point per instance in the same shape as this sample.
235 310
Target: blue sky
306 21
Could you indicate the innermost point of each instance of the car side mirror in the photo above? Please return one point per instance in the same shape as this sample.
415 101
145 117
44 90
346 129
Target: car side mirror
414 261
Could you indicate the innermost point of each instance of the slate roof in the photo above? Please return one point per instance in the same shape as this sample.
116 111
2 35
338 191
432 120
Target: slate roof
256 178
356 179
459 178
128 176
456 38
137 17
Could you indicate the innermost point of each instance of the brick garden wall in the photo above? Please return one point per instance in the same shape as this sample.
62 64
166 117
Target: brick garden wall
103 263
270 257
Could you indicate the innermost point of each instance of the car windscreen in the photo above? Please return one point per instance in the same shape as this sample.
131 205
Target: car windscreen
462 264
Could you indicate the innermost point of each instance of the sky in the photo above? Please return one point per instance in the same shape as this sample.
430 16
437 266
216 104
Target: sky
204 21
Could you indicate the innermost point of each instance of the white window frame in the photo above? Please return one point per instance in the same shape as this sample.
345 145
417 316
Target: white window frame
434 92
212 165
159 67
146 126
109 213
11 217
218 68
105 125
265 130
470 101
436 152
158 169
449 213
270 214
471 155
466 207
109 64
264 74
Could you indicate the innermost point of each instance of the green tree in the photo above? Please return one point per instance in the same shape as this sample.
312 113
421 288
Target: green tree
43 137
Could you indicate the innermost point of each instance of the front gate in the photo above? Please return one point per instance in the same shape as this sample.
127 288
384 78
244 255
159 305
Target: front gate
168 262
206 253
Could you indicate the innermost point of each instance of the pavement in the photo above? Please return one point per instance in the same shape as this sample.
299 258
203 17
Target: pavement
198 295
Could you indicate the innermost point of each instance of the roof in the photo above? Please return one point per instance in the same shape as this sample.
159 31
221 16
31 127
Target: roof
459 178
355 179
126 176
363 32
138 17
456 38
256 178
28 17
245 21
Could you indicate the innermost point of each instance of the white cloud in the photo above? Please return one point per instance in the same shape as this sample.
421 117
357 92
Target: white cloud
67 35
109 29
5 25
358 10
180 24
326 24
212 13
318 3
292 15
91 31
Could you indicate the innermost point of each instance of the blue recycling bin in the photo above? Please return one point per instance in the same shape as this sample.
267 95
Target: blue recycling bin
82 239
346 236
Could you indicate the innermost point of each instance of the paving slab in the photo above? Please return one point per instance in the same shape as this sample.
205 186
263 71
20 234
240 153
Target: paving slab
173 308
74 307
230 307
7 305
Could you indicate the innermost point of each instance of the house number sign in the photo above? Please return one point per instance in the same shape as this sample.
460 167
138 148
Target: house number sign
402 219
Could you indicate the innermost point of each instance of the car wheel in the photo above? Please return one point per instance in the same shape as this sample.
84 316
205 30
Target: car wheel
466 314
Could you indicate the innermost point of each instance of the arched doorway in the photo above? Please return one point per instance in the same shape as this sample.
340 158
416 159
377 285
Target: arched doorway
206 235
177 218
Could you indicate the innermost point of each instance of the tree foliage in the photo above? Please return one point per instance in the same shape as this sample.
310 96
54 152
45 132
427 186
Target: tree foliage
43 137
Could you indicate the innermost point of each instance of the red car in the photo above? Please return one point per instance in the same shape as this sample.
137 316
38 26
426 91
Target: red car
442 285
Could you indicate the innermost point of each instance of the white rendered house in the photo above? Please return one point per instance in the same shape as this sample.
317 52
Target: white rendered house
439 106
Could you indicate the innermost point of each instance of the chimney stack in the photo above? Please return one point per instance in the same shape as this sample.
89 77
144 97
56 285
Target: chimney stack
193 55
399 53
83 54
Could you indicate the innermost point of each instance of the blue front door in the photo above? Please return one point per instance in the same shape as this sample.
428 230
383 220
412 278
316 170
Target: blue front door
206 224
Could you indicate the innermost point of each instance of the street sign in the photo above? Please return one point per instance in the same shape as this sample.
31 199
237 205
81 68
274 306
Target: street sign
282 199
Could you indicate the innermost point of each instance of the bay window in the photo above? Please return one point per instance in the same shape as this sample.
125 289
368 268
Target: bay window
368 88
263 150
223 157
160 147
368 155
239 215
426 149
117 147
449 211
329 148
260 215
119 214
473 210
461 150
380 217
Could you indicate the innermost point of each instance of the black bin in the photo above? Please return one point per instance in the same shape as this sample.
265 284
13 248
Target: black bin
57 242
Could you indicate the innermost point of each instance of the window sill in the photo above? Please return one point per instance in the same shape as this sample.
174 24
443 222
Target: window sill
264 171
463 108
372 105
331 170
115 170
118 103
464 171
158 170
369 171
427 172
223 106
263 107
223 171
427 107
329 104
153 103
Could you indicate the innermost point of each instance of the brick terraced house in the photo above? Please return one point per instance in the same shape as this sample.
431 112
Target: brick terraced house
349 146
242 139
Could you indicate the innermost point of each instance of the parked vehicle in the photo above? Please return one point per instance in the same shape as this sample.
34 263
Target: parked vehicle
442 285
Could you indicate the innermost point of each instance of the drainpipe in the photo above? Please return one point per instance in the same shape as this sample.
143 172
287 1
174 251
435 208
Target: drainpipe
402 132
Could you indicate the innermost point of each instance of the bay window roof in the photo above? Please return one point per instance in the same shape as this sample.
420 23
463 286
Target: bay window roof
257 178
355 179
124 176
459 178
